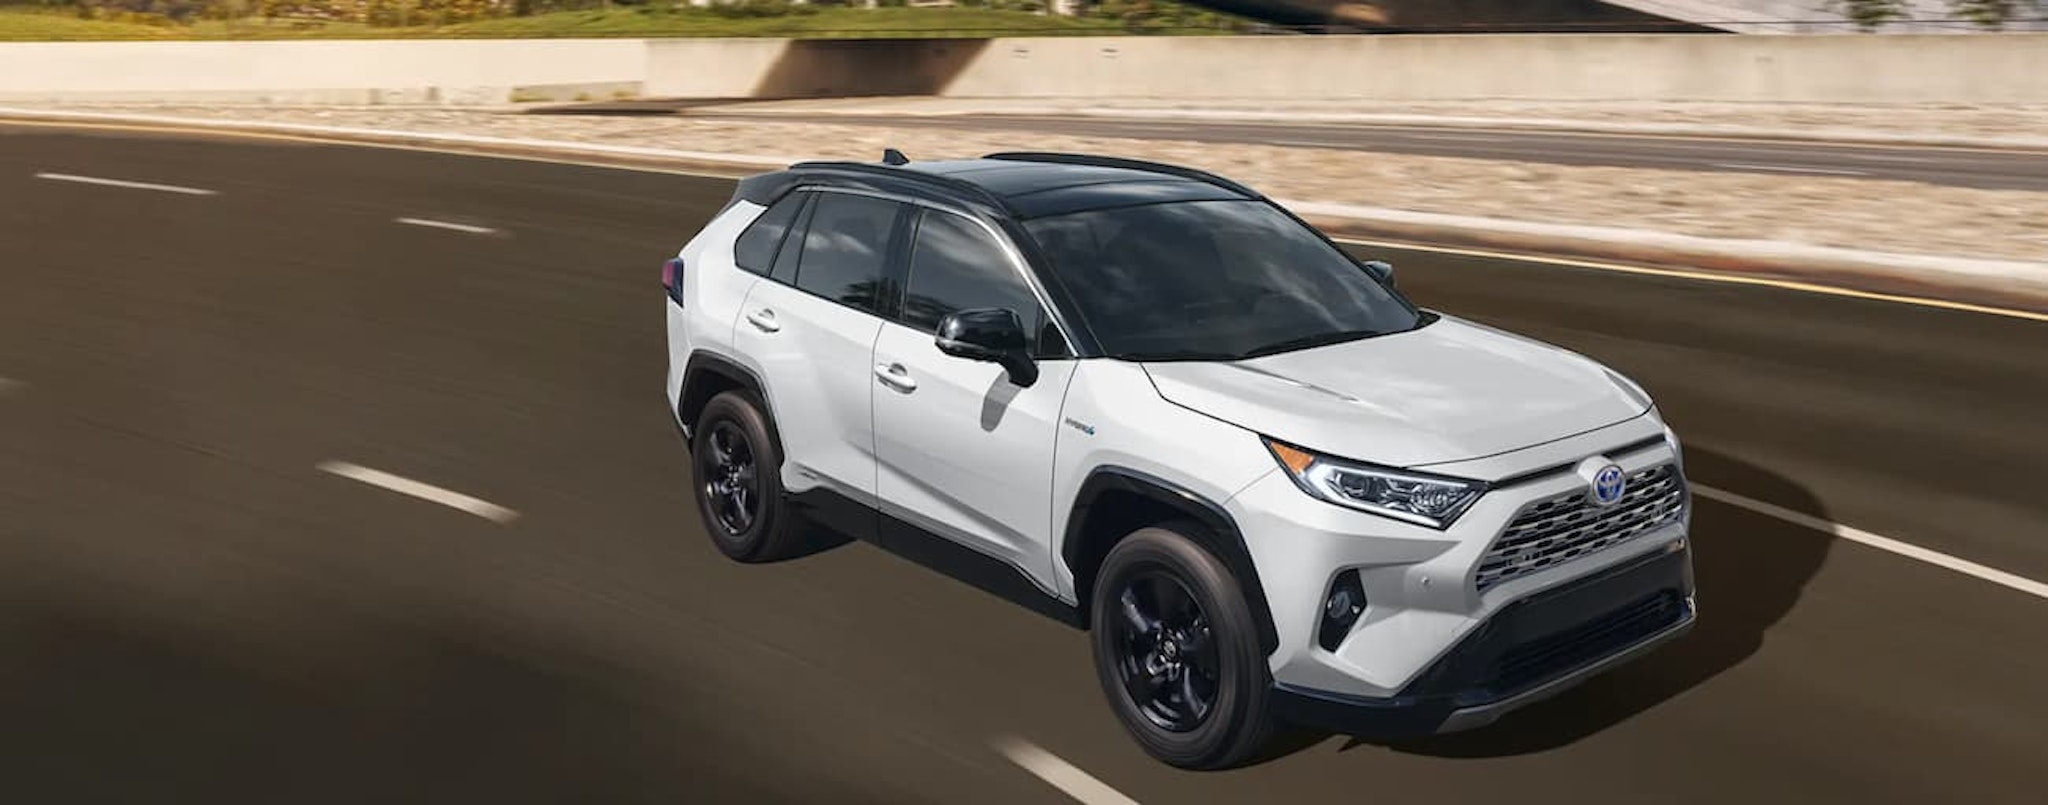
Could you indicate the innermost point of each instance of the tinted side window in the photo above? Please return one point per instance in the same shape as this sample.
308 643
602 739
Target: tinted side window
845 249
755 249
955 266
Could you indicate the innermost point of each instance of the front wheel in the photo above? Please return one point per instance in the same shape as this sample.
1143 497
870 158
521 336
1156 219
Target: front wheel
1177 653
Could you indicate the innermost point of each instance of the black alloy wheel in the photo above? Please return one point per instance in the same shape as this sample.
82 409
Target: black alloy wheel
732 488
1166 651
1176 649
737 465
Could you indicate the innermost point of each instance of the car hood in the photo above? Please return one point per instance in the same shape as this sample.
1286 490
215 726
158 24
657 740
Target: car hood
1449 391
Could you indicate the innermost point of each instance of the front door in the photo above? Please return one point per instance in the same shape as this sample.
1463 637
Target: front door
963 453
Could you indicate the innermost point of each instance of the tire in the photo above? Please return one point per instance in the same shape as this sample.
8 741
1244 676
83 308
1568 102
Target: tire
1150 564
732 450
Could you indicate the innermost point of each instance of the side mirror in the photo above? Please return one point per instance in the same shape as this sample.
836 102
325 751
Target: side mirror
1380 270
990 335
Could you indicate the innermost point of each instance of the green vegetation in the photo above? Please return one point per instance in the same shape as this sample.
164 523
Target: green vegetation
1869 15
1994 14
358 19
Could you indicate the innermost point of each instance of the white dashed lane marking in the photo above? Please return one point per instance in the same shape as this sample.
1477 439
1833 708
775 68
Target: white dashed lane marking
448 225
1882 543
407 486
95 180
1060 774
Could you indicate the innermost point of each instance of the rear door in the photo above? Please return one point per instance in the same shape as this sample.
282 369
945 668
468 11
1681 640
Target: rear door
810 330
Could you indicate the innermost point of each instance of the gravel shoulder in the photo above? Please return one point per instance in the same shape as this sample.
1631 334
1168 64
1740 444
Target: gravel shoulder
1953 120
1891 216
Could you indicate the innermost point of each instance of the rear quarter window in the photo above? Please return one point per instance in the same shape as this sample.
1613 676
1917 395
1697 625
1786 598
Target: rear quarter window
756 247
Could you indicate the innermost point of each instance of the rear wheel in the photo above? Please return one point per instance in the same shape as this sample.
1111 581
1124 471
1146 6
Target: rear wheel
1177 653
738 480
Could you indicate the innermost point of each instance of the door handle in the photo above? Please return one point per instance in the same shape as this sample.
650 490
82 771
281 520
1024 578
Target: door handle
895 376
763 320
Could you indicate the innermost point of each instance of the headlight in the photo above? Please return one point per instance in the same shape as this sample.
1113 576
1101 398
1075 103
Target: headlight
1405 495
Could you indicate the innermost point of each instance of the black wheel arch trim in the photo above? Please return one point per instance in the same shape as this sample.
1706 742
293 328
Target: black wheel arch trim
702 363
1222 538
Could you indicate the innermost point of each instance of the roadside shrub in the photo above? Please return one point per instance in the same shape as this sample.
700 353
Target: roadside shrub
758 9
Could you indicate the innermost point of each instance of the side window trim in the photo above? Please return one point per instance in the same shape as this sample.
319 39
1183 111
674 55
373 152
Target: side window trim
790 253
896 262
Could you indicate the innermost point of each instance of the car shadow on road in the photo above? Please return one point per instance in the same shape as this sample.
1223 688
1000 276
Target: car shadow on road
1750 570
108 702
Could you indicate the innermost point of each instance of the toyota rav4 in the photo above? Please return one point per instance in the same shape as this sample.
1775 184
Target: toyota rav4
1152 403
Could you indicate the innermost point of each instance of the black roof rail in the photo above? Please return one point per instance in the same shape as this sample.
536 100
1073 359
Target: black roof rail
1128 164
975 191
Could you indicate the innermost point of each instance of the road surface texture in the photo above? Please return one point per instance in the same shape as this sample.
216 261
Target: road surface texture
209 593
1983 169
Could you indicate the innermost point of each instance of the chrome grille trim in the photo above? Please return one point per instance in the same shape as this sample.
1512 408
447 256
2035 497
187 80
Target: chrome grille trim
1567 526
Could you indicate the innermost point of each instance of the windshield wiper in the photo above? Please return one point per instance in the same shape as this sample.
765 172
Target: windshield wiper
1173 355
1307 341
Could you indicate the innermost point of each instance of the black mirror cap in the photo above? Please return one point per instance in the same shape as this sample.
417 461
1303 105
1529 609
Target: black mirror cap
1380 270
994 331
994 335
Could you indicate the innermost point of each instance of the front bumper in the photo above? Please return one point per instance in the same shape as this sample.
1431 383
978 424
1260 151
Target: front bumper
1531 649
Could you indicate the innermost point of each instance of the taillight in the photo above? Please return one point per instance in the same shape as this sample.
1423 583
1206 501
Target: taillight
672 279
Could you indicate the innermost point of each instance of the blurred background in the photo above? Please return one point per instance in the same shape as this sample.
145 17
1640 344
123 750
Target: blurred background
334 465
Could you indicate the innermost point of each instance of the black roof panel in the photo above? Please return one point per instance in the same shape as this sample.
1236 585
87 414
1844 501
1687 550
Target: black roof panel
1077 198
1023 185
1036 189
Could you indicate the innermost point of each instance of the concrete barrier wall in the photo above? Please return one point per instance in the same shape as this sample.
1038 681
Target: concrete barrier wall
1823 69
806 68
448 71
710 68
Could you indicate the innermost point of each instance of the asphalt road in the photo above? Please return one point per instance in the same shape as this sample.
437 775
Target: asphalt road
1995 170
190 610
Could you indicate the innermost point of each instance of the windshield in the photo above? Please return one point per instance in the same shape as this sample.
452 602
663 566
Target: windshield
1213 280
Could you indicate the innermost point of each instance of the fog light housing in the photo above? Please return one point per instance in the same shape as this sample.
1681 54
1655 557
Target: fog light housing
1341 608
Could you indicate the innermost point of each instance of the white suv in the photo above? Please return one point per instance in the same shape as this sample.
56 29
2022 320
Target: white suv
1152 403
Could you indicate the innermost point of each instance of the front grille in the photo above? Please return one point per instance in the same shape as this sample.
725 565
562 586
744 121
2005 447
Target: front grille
1538 660
1564 527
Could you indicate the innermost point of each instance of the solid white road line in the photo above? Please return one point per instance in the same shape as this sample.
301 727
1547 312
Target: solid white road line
1462 138
1060 774
1887 158
161 188
1787 169
1936 558
427 222
407 486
